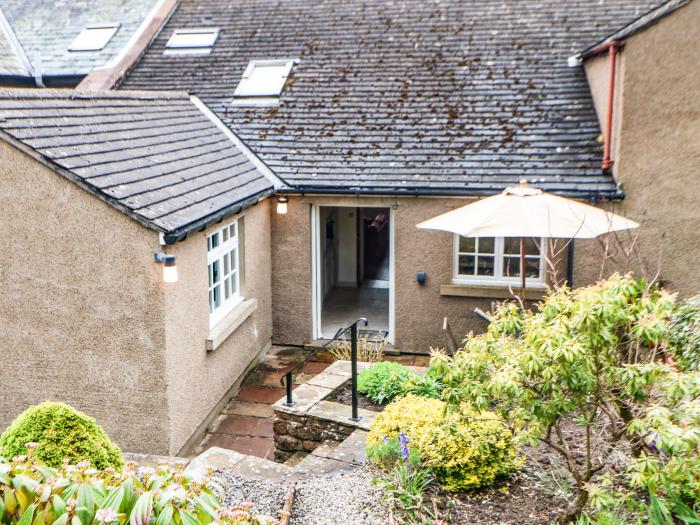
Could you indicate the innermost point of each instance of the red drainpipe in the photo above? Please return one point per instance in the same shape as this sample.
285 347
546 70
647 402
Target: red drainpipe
612 48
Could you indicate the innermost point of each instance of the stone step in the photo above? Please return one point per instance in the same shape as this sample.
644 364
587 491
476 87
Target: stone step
312 464
296 458
332 456
251 467
351 451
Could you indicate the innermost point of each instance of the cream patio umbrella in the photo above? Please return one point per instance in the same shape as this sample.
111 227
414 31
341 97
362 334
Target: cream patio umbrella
523 211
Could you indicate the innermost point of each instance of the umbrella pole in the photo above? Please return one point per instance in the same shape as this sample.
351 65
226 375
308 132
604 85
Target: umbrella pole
522 268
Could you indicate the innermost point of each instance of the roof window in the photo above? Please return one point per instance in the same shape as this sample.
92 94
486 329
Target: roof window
191 41
262 81
94 38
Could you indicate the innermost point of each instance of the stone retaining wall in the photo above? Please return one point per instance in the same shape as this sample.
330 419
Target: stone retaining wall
296 432
312 420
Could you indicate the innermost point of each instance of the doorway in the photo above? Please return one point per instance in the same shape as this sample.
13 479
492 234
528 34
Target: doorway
353 270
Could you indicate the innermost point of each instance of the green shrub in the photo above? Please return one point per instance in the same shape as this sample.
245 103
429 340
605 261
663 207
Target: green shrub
465 449
383 381
685 334
62 433
594 356
79 494
424 385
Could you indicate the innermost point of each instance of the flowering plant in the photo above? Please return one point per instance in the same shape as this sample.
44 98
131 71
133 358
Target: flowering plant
32 493
405 478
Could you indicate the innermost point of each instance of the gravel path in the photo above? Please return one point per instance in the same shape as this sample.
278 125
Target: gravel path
267 497
343 498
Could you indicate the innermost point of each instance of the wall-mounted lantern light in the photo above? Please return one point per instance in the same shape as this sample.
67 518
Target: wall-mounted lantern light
169 268
282 204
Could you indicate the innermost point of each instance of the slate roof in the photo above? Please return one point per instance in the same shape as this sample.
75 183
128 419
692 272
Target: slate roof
156 156
45 30
638 24
401 96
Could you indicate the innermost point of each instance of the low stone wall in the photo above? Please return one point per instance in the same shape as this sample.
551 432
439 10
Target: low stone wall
313 420
295 432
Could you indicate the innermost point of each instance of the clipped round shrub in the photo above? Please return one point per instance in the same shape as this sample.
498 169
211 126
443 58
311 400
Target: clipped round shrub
465 449
61 432
383 381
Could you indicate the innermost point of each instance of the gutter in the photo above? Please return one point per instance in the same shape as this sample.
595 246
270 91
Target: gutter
181 233
591 196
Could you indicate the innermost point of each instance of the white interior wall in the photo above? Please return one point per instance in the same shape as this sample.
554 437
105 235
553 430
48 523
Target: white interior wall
347 247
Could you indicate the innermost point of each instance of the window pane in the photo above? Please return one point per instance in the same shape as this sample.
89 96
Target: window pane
227 269
227 289
217 296
210 283
211 301
485 265
511 266
93 38
225 232
264 79
232 229
466 264
532 267
215 272
234 283
511 246
487 245
234 260
467 244
194 38
214 240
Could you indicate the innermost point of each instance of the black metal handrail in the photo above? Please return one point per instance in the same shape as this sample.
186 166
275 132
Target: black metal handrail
288 378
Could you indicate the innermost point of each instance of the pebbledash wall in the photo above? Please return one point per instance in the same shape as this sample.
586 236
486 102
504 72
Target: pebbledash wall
196 379
85 317
656 147
419 309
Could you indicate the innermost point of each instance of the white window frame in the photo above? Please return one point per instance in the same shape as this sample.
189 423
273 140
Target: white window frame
76 45
245 91
173 48
227 242
498 279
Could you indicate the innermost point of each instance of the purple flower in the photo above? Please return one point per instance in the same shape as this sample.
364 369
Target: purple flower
403 441
386 439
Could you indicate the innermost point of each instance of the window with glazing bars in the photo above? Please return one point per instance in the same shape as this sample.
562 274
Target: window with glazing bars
223 271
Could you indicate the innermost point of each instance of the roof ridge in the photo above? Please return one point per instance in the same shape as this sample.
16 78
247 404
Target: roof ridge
9 31
73 94
638 24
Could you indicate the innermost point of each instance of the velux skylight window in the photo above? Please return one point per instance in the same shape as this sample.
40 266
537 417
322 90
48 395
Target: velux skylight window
192 41
94 38
262 81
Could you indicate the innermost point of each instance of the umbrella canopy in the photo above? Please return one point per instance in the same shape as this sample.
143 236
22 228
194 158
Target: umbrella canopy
523 211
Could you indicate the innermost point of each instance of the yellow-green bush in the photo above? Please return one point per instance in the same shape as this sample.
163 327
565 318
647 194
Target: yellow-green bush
465 448
61 433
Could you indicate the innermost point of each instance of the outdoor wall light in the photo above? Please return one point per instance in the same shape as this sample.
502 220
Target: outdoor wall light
282 204
169 268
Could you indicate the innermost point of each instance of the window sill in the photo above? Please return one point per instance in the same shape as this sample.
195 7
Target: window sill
490 291
224 328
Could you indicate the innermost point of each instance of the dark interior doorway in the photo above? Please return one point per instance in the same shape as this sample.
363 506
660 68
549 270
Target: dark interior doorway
355 267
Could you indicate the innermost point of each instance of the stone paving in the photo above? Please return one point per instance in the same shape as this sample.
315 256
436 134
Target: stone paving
245 424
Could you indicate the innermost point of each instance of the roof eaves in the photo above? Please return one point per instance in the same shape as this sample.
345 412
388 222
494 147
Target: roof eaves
78 181
591 195
635 26
182 232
